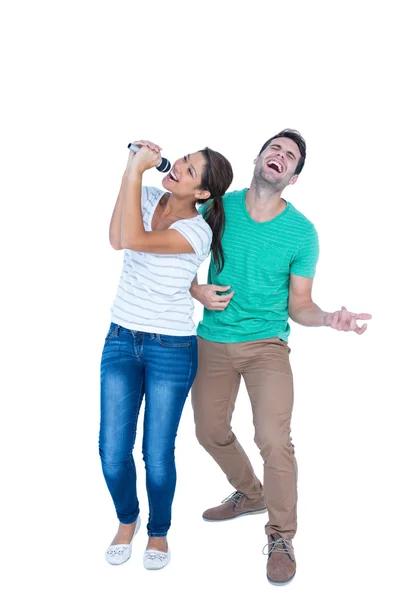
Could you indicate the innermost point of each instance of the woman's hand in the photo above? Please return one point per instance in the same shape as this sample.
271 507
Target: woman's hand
147 157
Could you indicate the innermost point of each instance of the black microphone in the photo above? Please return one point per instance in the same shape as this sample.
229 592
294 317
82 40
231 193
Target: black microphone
164 165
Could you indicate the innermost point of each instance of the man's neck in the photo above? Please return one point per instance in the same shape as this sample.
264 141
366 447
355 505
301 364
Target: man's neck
264 202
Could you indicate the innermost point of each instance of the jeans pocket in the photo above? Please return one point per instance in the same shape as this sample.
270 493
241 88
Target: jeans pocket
174 341
113 332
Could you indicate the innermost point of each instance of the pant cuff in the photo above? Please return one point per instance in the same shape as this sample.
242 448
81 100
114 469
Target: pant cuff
127 520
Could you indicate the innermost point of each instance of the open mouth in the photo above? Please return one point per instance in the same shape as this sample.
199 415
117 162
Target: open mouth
172 176
275 165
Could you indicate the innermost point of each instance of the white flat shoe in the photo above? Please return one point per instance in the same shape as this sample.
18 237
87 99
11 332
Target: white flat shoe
120 553
154 559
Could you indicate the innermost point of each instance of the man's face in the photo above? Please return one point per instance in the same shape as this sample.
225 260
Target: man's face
277 163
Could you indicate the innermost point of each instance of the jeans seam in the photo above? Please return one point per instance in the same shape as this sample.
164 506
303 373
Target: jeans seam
150 510
141 349
137 414
190 370
133 440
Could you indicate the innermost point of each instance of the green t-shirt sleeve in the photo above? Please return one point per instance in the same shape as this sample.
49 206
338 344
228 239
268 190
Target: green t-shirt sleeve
203 207
305 261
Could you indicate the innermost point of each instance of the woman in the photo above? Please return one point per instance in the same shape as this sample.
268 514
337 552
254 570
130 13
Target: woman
151 347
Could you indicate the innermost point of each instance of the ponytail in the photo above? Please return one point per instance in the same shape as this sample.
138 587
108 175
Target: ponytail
217 177
215 217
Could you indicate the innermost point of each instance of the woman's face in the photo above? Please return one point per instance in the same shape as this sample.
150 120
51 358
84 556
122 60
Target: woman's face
184 179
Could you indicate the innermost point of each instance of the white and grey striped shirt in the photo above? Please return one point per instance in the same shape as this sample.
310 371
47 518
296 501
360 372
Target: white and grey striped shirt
153 293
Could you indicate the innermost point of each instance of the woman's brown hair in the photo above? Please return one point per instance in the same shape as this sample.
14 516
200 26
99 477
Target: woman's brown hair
216 179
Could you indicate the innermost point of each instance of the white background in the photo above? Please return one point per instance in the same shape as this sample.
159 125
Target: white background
81 80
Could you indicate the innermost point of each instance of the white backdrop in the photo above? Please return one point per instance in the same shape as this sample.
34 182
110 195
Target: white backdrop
81 80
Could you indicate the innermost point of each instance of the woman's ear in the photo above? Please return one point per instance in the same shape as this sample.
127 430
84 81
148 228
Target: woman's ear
202 194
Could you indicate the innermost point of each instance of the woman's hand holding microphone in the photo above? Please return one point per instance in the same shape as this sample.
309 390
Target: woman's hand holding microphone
147 157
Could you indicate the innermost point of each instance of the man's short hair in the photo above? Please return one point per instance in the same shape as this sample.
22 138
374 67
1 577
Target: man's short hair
294 135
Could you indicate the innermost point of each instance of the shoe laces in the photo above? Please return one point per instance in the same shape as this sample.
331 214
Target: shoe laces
235 498
278 545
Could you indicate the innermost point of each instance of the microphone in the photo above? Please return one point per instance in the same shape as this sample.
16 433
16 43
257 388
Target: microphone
164 165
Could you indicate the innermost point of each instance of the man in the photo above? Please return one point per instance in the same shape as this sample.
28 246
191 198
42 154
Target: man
271 252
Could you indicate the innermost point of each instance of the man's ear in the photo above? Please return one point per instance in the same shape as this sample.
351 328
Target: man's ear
293 179
202 194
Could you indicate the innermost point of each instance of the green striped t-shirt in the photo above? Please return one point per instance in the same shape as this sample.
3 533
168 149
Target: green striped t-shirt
259 258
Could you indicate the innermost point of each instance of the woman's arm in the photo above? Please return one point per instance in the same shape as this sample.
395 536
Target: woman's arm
133 234
115 224
114 233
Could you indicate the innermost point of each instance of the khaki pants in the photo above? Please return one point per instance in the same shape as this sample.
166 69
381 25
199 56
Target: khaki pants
264 365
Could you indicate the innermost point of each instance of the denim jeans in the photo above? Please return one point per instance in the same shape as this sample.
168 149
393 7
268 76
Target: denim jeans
162 369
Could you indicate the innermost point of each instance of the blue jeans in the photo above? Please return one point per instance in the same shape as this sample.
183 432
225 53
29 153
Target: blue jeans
162 368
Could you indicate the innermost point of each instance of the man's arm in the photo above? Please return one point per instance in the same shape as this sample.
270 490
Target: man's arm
303 310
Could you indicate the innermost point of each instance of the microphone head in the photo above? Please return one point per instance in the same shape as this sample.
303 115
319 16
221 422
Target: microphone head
164 165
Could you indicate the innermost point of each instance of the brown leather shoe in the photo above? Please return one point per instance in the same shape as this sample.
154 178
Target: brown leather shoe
281 565
235 505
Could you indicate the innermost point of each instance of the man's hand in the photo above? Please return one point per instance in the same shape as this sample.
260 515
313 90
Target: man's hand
207 295
343 320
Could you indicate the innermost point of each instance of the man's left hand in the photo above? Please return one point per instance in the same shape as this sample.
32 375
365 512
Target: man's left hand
343 320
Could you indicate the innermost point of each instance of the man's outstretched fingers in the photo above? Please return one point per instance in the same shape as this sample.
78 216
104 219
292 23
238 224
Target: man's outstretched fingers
363 316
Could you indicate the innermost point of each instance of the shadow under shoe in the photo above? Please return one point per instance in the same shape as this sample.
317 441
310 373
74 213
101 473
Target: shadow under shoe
281 565
235 505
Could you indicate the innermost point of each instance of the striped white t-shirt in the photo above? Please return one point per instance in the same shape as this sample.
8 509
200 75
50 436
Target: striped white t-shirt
153 294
